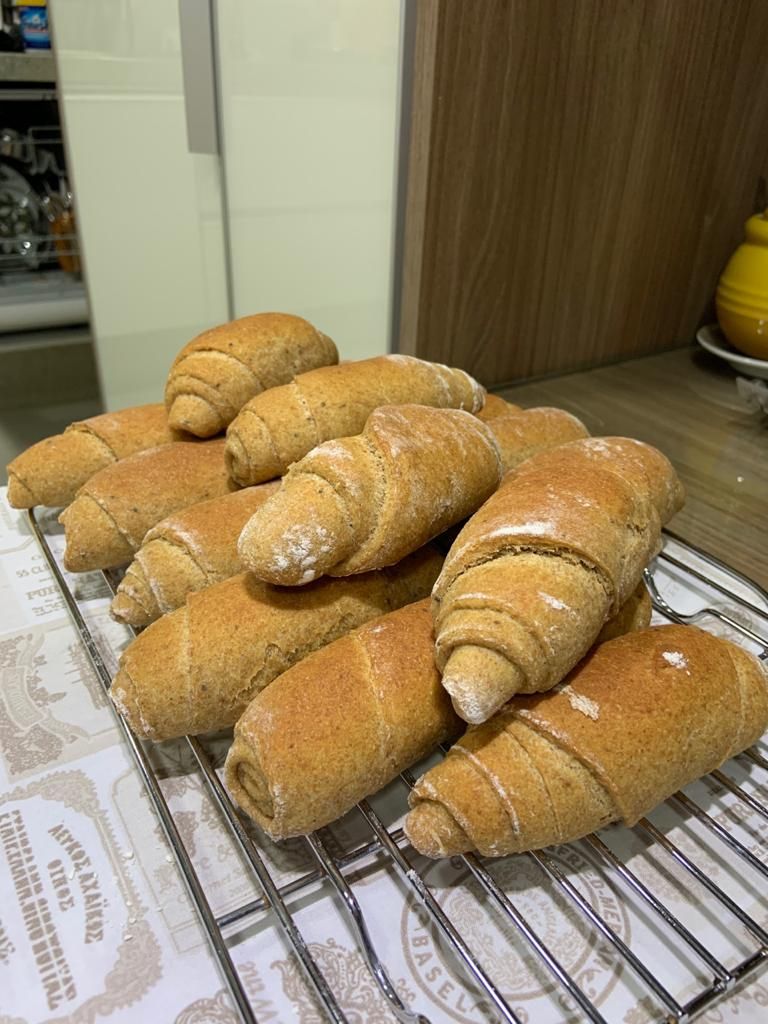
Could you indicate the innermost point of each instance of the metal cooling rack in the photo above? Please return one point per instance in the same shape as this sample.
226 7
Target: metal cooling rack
389 844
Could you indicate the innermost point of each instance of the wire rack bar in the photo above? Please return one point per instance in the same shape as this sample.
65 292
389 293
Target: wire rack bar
547 865
751 925
553 964
719 970
276 902
705 999
689 570
186 868
510 911
739 793
303 881
330 868
443 922
718 566
686 618
722 834
386 844
755 758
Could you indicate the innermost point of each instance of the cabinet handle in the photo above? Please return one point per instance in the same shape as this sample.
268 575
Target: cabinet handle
199 75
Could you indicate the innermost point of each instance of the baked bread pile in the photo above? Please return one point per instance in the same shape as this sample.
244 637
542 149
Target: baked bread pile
289 586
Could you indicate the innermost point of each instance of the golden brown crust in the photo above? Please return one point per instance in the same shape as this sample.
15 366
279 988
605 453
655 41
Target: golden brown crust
525 432
538 570
107 521
495 406
340 725
53 470
639 718
197 668
217 372
635 613
360 503
280 426
187 551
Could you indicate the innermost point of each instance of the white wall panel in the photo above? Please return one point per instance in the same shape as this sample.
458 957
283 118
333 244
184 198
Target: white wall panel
149 212
309 94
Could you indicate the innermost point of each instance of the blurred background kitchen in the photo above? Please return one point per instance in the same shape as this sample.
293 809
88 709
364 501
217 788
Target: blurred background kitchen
522 188
202 192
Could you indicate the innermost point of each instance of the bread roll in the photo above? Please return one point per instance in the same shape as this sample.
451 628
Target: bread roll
106 523
537 571
344 721
185 552
283 424
358 503
340 724
634 614
197 668
639 718
363 502
53 470
495 406
216 373
525 432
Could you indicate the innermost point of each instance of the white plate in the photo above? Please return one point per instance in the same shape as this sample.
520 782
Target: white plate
712 339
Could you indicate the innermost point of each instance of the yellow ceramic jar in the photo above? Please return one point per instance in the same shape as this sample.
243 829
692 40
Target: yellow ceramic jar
742 294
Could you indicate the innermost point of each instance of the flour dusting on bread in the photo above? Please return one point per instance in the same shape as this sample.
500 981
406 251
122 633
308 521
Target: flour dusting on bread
676 659
579 702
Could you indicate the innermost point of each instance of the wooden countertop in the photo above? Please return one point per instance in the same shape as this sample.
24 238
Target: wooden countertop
685 402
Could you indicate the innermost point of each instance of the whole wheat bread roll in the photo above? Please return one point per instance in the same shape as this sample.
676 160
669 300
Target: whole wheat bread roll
340 724
363 502
108 520
640 717
280 426
187 551
344 721
359 503
197 668
521 433
217 372
495 406
537 571
53 470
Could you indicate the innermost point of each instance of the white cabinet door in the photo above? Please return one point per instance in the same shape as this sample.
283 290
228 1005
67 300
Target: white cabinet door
308 93
149 211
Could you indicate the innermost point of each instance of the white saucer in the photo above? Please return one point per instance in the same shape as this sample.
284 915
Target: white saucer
712 339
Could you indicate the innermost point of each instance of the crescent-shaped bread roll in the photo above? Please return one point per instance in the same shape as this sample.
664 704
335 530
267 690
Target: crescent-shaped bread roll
280 426
344 721
537 571
340 725
640 717
217 372
108 520
359 503
52 471
363 502
187 551
197 668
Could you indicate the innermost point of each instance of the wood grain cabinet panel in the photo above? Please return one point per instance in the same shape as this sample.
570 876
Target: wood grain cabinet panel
579 173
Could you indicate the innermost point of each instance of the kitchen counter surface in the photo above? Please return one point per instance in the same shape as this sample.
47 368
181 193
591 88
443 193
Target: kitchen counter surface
686 403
